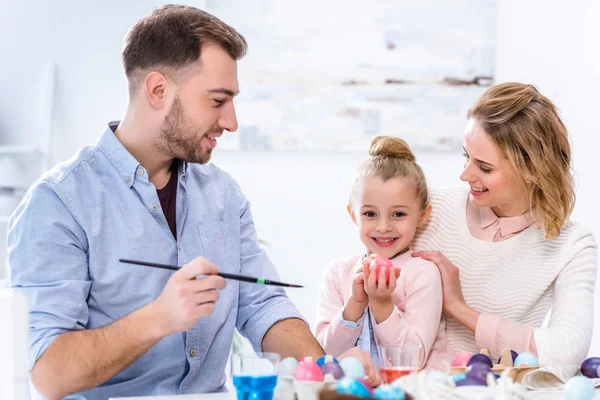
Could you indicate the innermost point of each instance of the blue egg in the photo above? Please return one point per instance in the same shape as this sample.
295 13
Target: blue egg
389 392
353 387
527 359
325 359
579 388
458 377
352 367
288 366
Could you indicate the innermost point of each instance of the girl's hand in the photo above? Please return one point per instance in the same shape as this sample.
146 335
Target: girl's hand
358 287
371 374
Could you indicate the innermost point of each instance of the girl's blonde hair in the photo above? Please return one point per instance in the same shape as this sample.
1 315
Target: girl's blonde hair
391 157
527 128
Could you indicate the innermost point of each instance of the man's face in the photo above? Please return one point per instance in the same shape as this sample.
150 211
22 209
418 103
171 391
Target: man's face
202 108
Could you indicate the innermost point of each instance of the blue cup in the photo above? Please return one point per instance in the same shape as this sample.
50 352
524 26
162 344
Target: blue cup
255 375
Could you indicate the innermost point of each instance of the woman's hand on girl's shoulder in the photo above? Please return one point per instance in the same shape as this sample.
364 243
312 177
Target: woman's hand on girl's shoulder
452 291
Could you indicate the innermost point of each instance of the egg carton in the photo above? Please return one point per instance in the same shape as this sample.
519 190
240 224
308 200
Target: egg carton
516 373
290 388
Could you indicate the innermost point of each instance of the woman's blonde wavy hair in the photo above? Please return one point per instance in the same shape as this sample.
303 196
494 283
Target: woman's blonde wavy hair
528 130
391 157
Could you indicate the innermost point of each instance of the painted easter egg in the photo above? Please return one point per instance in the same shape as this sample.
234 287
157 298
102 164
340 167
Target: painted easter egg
325 359
288 366
389 392
352 367
470 382
381 262
481 359
308 371
478 371
353 387
579 388
590 366
461 359
527 359
332 368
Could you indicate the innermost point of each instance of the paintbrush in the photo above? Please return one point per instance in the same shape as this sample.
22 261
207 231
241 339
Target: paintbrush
235 277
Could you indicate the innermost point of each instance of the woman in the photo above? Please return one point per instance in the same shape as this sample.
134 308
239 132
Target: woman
505 247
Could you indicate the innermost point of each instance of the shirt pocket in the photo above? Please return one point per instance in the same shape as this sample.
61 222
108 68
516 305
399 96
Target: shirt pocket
221 243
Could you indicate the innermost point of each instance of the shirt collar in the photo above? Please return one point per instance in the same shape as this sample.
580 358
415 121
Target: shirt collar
125 163
117 154
506 225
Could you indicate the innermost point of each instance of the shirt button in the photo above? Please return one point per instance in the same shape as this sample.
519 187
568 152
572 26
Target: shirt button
154 207
192 353
141 171
128 179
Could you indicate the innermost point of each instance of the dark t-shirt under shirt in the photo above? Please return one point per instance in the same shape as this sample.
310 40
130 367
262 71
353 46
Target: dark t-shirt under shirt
168 199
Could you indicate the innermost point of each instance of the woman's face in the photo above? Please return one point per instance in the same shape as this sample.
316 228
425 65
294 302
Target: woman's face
494 181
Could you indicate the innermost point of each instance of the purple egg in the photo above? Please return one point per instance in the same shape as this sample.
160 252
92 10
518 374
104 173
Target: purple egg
481 358
514 355
478 371
470 382
332 368
590 366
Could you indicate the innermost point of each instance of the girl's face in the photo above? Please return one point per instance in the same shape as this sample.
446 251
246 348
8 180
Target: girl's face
494 181
387 214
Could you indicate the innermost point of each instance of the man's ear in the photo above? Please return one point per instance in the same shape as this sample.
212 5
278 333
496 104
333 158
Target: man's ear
425 214
351 213
156 88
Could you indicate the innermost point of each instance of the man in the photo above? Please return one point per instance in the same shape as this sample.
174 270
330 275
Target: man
145 190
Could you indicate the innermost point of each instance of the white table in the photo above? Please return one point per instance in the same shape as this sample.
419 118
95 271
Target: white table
534 395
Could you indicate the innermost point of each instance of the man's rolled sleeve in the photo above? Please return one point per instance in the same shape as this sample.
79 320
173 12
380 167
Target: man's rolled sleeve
260 306
48 264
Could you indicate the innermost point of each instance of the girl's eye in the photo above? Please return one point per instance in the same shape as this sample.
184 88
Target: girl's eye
398 214
369 214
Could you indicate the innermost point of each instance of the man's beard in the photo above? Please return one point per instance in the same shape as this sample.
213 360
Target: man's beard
181 139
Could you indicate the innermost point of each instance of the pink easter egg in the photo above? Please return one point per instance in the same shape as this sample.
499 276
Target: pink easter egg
382 262
461 359
309 371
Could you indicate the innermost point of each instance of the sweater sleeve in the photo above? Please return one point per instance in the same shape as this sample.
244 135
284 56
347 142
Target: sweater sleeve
333 334
419 323
566 340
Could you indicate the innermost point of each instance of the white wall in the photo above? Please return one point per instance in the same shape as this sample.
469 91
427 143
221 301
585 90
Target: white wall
554 44
298 198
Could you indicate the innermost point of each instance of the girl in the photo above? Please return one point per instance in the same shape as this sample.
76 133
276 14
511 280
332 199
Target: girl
388 202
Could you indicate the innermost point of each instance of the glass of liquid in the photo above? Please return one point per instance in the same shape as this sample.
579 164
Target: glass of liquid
255 375
398 361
